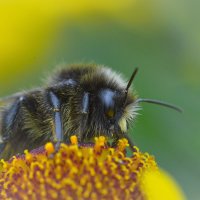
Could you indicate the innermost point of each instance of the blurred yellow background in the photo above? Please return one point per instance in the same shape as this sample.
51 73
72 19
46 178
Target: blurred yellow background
161 37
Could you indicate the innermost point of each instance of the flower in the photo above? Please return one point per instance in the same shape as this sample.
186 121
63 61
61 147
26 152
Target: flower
85 172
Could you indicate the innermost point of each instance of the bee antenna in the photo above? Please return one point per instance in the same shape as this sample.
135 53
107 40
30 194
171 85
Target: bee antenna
153 101
130 82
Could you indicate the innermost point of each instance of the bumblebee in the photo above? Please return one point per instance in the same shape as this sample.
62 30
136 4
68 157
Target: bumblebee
82 100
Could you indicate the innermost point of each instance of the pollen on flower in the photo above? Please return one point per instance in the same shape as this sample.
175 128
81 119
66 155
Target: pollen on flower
85 172
49 148
99 144
28 155
122 144
74 139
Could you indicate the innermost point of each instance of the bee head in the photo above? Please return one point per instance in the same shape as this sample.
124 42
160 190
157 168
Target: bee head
110 106
118 109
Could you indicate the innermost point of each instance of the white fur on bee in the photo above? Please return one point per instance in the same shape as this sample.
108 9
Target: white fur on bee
113 76
130 113
122 124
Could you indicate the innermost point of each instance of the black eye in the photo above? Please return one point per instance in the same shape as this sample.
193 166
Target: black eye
108 102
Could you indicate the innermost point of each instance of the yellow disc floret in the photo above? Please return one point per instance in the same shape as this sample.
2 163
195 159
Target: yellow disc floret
49 148
73 139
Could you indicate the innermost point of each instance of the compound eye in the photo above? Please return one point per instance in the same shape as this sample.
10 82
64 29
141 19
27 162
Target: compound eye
107 98
110 113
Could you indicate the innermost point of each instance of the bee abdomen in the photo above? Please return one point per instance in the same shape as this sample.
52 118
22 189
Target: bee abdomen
26 124
9 118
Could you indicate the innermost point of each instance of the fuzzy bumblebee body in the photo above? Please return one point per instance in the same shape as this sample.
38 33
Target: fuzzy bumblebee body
82 100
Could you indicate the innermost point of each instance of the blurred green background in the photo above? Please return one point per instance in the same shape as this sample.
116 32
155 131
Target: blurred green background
161 37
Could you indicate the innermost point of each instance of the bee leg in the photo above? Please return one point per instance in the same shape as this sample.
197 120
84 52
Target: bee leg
84 116
58 129
118 135
131 144
85 103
